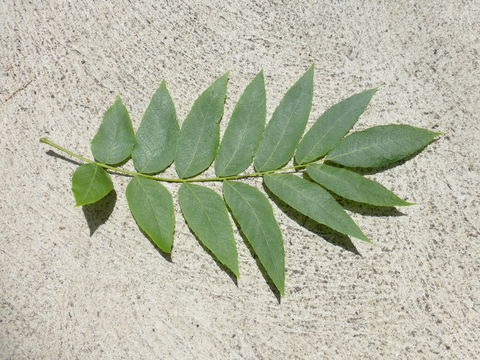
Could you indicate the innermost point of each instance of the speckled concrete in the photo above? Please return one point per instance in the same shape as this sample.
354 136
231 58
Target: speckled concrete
67 294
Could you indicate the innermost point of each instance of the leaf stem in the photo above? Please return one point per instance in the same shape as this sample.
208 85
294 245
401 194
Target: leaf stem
171 180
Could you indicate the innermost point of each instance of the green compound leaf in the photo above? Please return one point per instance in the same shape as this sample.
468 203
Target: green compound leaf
159 141
254 214
156 138
284 130
332 126
200 132
244 130
313 201
115 139
353 186
207 216
152 207
90 183
380 145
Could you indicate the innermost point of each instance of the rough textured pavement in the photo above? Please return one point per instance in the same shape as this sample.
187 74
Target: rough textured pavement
67 294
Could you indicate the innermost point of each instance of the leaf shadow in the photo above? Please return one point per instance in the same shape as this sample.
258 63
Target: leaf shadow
330 235
225 269
121 163
98 213
61 157
165 255
366 209
260 266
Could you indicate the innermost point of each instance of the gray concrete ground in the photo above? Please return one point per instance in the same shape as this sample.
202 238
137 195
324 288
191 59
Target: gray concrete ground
68 294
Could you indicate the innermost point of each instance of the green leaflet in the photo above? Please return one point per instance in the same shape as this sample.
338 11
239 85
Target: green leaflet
284 130
152 207
114 140
254 214
200 133
329 128
380 145
207 216
244 130
313 201
156 138
90 183
353 186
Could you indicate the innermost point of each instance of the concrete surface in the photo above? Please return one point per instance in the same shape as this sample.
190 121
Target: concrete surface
67 294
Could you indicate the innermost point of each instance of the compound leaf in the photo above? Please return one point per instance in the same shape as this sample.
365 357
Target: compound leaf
206 214
380 145
313 201
90 183
288 121
244 130
152 207
254 214
115 139
200 132
353 186
156 138
332 126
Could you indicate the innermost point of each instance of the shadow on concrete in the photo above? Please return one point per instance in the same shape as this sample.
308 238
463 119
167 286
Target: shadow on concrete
98 213
61 157
219 264
75 162
368 210
165 255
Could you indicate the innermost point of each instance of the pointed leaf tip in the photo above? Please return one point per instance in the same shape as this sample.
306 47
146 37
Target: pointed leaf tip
200 133
332 126
157 135
206 214
152 207
353 186
286 126
244 130
115 139
254 215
